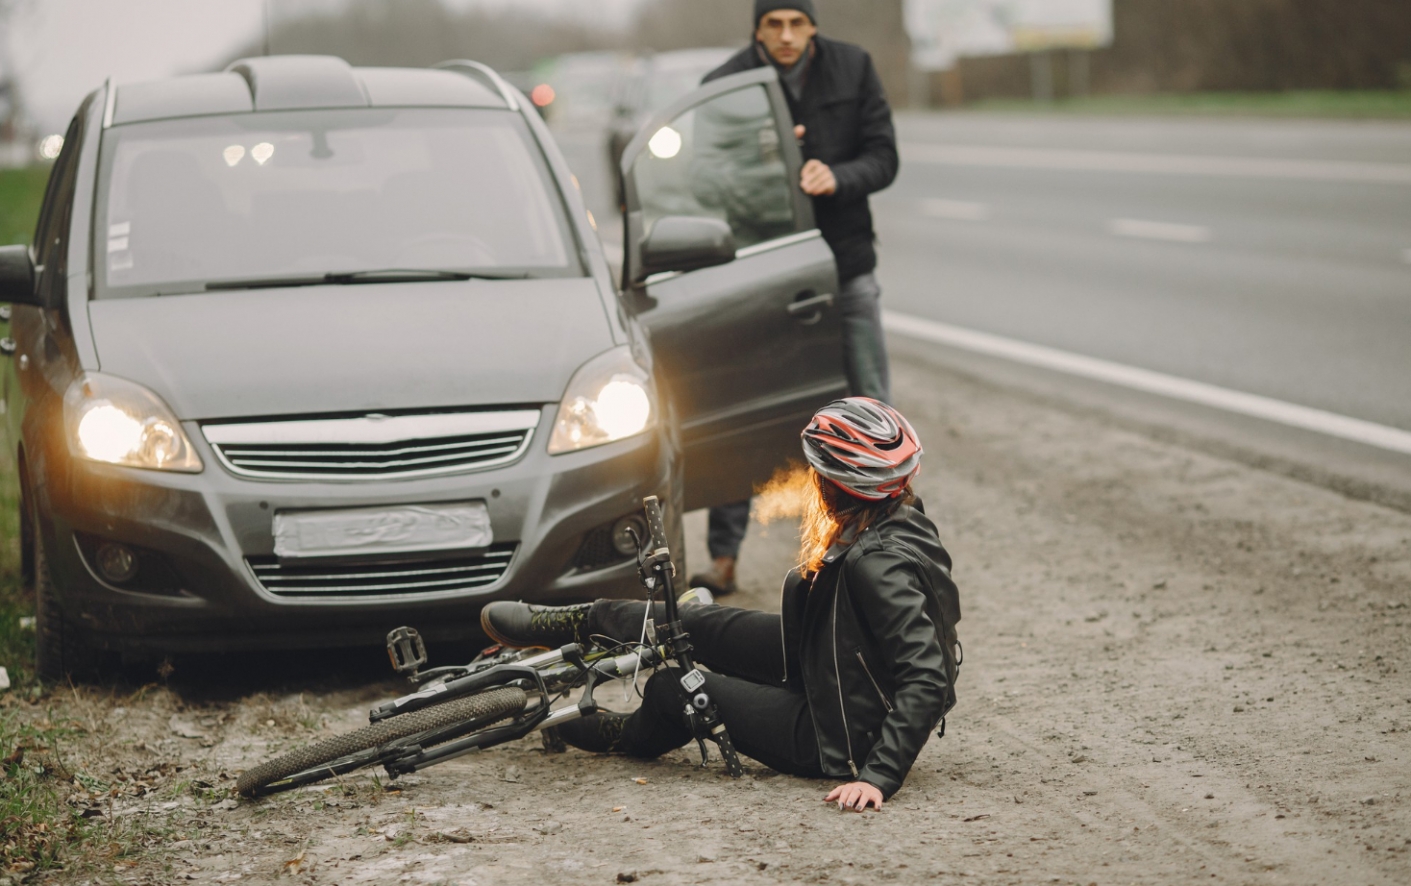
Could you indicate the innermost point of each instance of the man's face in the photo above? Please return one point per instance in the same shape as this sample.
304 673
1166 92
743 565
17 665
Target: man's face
785 35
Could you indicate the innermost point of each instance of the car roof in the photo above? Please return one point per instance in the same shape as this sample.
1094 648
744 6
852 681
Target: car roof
299 82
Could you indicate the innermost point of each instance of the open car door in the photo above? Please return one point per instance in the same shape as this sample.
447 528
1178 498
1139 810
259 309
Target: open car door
727 271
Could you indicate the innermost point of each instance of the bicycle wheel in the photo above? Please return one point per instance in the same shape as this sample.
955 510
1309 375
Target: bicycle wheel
354 750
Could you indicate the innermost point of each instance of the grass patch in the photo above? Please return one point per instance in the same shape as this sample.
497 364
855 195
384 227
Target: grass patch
16 642
37 824
55 814
21 192
1364 105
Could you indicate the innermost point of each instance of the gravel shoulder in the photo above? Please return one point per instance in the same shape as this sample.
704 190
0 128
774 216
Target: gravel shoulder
1178 669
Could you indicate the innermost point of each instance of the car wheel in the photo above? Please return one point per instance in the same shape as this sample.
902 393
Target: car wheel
60 650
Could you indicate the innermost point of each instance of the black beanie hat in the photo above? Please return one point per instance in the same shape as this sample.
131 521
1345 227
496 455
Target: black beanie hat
762 7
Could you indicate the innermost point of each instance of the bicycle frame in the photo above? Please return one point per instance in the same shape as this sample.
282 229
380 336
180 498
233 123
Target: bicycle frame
549 675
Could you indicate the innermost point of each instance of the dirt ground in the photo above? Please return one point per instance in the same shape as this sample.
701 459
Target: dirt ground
1178 669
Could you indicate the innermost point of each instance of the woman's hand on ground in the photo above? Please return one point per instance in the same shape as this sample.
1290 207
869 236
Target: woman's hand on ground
856 796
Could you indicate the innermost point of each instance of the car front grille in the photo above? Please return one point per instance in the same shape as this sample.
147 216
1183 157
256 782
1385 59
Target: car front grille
446 574
373 447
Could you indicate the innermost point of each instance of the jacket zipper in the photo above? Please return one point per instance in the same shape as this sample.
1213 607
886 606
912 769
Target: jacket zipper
868 671
783 643
838 676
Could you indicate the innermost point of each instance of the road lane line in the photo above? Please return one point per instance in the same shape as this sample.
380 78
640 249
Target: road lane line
1157 164
955 210
1253 405
1152 230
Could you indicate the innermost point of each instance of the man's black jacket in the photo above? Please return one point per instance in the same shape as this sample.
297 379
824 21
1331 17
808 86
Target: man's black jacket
849 127
873 640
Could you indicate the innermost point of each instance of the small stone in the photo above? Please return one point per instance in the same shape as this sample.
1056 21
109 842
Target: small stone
1369 801
550 827
627 877
1210 796
1239 709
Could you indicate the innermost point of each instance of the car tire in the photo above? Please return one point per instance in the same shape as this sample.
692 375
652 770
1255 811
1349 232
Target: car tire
60 650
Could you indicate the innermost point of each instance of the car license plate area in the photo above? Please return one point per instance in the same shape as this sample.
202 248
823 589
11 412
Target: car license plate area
404 529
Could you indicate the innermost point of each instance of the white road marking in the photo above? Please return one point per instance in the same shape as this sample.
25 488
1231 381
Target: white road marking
1152 230
1267 408
1157 164
956 210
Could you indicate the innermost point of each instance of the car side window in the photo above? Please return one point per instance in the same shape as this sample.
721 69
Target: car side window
720 159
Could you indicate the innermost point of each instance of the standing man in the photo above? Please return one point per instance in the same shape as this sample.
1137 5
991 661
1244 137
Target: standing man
844 127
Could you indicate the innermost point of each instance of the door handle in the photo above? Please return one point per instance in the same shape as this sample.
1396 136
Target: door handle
8 346
808 308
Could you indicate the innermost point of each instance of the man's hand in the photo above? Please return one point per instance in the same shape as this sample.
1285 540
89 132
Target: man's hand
858 795
818 180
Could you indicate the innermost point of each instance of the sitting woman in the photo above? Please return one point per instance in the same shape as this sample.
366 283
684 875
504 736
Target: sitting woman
849 680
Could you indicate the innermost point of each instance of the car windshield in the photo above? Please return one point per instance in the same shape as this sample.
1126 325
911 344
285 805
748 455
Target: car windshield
189 203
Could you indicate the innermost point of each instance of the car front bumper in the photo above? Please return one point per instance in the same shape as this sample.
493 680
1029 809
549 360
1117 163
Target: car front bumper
208 526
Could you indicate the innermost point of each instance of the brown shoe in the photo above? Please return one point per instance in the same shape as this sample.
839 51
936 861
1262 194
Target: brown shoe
719 579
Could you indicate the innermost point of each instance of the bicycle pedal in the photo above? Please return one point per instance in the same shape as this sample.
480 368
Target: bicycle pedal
406 650
553 742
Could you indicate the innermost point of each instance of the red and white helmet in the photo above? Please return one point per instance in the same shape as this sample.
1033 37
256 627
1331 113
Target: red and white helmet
864 446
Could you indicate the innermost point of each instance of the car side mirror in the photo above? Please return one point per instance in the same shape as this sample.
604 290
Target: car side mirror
686 243
17 277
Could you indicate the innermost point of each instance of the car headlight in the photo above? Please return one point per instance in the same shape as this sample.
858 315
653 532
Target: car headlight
609 398
113 420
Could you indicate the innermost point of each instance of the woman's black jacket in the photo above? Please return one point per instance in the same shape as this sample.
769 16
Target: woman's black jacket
873 639
849 127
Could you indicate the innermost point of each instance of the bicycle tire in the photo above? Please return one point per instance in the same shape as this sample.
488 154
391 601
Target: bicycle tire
319 760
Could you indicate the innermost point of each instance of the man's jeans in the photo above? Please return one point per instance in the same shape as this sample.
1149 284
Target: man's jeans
864 361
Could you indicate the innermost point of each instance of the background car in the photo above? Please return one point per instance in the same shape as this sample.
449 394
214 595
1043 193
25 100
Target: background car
655 81
302 352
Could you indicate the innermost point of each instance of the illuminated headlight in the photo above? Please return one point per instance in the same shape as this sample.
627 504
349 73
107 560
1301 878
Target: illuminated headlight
113 420
610 398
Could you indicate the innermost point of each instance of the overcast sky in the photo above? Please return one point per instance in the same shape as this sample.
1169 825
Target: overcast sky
62 49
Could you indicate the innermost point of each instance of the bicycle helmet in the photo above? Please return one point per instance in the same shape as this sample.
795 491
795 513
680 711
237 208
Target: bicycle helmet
864 446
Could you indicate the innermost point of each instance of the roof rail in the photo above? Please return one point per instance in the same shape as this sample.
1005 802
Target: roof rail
484 73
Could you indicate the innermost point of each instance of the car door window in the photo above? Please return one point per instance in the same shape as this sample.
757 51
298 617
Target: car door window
720 159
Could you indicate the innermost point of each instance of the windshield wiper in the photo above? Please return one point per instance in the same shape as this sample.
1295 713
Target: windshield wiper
412 275
352 278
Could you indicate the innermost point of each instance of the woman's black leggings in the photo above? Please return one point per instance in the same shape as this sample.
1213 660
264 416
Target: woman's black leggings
768 718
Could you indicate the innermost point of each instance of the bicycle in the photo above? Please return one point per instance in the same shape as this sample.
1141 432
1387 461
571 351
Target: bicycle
505 694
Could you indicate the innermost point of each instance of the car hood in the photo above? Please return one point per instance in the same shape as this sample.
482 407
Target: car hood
373 347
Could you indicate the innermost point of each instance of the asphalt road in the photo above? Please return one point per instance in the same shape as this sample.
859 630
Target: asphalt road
1267 257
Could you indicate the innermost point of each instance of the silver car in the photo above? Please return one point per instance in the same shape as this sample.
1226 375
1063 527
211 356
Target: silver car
302 352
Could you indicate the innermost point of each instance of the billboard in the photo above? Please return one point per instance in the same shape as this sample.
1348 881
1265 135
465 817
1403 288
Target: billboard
943 31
